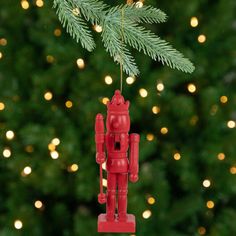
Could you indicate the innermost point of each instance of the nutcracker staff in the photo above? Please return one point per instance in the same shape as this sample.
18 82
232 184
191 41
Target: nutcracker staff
114 145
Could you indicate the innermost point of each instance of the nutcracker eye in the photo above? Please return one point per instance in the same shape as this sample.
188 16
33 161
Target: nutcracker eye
117 145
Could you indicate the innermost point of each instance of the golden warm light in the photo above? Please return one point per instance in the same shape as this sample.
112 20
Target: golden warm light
233 170
223 99
151 200
39 3
76 11
2 106
54 154
210 204
56 141
10 134
27 170
3 42
105 100
48 96
57 32
130 80
108 79
194 21
201 38
206 183
68 104
160 87
1 55
104 182
221 156
139 4
177 156
38 204
25 4
164 130
80 63
98 28
156 109
147 214
6 153
192 88
201 230
73 168
18 224
50 59
143 92
231 124
51 147
150 137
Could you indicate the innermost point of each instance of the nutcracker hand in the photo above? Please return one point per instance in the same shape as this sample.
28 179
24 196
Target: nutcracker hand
102 198
133 178
100 157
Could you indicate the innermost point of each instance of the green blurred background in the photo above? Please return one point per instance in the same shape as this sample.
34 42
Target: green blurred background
49 100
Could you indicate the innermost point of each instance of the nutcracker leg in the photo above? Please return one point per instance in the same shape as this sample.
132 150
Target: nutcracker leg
122 196
111 196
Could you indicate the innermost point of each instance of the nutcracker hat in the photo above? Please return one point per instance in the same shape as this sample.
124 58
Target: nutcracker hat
118 104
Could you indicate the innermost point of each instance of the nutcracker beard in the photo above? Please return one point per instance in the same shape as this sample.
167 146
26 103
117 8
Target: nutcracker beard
115 145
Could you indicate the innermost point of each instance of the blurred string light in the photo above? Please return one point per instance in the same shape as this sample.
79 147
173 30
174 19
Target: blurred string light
206 183
3 42
130 80
73 168
54 154
201 38
98 28
26 171
10 134
164 130
143 92
57 32
233 170
80 63
139 4
147 214
6 152
210 204
108 79
221 156
48 96
68 104
192 88
50 59
104 182
231 124
177 156
39 3
25 4
38 204
160 87
194 21
29 148
150 137
2 106
51 147
105 100
1 55
155 110
223 99
151 200
18 224
194 120
104 166
201 230
76 11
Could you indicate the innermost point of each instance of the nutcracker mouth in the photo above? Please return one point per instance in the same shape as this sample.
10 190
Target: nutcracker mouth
117 145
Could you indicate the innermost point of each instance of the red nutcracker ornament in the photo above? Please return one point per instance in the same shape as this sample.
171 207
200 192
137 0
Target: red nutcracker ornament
116 141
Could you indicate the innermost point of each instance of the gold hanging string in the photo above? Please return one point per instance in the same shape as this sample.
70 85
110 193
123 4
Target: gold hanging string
129 2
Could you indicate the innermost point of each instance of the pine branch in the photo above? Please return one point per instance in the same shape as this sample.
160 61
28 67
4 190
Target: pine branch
75 24
92 10
113 44
145 14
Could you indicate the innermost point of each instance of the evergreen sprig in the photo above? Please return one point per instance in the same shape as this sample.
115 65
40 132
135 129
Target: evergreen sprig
121 27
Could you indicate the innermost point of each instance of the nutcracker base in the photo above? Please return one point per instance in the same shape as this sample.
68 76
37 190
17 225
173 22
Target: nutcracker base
116 226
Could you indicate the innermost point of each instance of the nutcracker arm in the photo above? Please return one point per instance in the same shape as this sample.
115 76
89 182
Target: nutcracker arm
133 157
100 139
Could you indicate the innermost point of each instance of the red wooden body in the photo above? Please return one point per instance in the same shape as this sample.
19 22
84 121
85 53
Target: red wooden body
112 147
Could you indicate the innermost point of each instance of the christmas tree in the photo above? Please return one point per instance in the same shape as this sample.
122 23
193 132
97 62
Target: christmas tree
51 90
